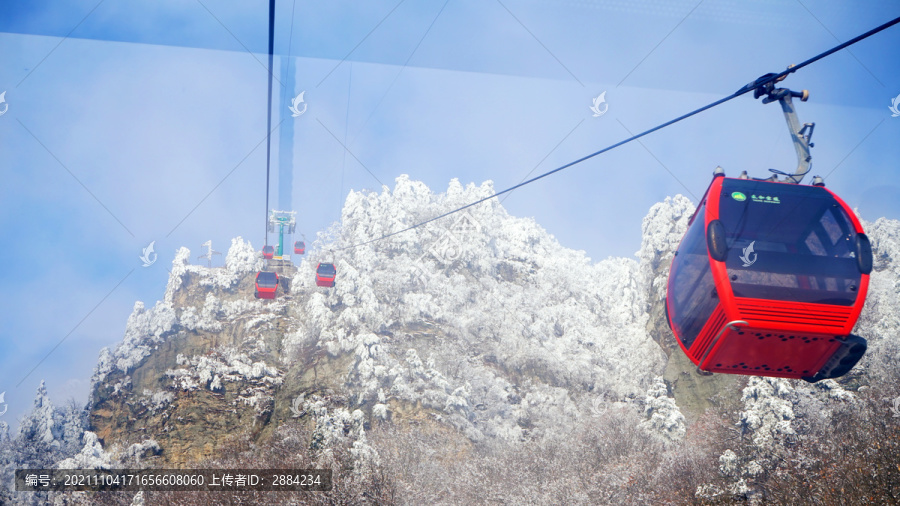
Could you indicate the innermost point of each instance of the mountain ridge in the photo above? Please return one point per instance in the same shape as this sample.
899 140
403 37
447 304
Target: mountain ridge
479 330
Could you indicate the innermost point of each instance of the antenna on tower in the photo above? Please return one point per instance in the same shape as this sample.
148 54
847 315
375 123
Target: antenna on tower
209 252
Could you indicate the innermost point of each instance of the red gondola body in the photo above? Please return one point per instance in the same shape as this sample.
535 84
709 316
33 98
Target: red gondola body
266 285
325 274
299 247
268 252
769 280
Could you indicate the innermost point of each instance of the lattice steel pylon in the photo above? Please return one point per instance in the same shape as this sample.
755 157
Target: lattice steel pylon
209 253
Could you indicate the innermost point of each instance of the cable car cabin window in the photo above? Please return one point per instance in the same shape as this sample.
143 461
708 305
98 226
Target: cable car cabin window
815 245
326 270
266 280
692 289
788 242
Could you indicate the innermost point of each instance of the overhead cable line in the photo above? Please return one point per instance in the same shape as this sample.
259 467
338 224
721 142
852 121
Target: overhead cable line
757 84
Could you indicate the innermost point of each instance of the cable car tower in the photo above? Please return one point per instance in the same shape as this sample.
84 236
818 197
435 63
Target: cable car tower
282 222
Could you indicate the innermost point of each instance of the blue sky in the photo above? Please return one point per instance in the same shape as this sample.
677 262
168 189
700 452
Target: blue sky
131 122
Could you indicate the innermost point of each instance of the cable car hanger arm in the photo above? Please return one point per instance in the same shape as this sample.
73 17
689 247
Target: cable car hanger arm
765 85
801 137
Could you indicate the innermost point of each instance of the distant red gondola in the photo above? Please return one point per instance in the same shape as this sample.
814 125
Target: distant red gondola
769 280
266 284
268 252
325 274
299 247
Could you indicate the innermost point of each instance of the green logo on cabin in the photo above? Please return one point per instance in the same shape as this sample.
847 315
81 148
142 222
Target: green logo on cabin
740 197
765 199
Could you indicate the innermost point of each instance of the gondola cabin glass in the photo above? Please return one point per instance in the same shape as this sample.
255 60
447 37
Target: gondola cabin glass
789 242
692 291
769 280
325 274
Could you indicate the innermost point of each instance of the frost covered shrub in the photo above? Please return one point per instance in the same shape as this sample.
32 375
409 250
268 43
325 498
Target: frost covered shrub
606 459
855 458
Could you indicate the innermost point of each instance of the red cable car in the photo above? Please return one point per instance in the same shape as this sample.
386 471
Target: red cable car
299 247
769 280
266 284
268 252
325 274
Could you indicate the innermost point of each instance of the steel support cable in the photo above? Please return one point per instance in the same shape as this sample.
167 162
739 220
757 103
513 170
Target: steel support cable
758 83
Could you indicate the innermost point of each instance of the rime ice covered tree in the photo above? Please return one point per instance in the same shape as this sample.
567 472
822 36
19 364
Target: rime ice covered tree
664 419
48 433
91 456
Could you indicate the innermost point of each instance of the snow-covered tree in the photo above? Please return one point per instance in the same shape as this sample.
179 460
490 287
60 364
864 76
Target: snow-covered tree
47 433
91 456
663 416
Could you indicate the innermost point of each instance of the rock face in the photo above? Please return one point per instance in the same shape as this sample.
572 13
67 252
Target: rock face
194 367
662 230
479 323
